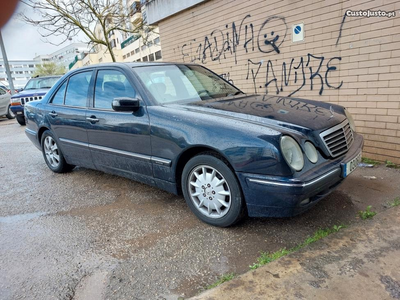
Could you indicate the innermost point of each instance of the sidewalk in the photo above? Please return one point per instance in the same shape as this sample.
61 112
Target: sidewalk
359 262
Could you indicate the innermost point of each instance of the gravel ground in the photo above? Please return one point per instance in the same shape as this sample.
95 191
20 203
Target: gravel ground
89 235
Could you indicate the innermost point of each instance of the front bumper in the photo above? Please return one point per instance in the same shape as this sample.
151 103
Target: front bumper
18 110
269 196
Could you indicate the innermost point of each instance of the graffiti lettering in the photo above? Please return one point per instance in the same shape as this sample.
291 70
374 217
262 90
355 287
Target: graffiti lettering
294 74
220 44
318 76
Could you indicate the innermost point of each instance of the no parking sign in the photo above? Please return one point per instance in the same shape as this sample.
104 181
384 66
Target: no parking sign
298 32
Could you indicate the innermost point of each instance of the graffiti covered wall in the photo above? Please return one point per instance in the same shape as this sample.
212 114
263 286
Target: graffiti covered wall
344 58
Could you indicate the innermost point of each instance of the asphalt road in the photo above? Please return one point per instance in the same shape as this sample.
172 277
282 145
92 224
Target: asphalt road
89 235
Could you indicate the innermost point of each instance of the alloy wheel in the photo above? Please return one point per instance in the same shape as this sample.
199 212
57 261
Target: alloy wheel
51 152
209 191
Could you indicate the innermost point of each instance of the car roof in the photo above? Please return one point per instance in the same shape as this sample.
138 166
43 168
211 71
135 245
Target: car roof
131 64
48 76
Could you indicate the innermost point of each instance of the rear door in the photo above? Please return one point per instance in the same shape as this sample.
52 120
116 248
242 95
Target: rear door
119 141
66 113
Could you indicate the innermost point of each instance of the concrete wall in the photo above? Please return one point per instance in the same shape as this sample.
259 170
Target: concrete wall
352 61
160 9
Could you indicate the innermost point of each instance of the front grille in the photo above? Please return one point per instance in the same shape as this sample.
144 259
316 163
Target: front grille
338 139
28 99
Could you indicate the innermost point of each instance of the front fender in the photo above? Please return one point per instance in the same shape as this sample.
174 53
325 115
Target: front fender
248 147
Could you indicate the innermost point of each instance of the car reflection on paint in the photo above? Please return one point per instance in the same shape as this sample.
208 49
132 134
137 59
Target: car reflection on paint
182 128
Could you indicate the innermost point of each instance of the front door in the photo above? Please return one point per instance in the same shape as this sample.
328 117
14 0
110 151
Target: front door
119 141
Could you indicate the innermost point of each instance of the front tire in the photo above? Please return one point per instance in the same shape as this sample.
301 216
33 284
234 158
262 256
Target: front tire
212 191
52 154
21 120
10 114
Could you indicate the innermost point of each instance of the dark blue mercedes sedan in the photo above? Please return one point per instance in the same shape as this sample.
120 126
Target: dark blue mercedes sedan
182 128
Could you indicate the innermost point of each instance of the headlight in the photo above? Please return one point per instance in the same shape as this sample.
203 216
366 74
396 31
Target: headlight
351 121
15 101
292 153
311 152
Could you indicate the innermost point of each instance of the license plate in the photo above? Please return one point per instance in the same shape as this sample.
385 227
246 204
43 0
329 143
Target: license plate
351 165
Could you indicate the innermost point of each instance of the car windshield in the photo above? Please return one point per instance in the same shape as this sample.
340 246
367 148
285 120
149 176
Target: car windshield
183 83
41 83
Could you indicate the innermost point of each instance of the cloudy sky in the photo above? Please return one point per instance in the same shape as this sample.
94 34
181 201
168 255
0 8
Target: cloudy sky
23 41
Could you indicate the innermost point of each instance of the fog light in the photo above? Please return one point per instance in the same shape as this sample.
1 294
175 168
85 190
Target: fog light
305 201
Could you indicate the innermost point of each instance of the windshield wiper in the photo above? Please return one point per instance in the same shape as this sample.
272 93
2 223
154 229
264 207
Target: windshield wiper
237 93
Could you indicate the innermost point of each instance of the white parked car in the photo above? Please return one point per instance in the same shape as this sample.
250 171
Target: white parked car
5 104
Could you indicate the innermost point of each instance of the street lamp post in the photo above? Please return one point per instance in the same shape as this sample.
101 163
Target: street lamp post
3 51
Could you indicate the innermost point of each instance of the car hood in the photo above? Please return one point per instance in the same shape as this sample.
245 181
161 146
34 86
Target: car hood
31 93
294 113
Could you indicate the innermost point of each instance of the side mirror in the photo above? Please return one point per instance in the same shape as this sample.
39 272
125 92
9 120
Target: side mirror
126 104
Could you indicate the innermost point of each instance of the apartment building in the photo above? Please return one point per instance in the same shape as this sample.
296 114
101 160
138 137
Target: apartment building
21 71
144 46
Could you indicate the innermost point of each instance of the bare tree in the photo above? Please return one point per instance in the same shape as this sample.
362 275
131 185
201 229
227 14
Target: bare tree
95 18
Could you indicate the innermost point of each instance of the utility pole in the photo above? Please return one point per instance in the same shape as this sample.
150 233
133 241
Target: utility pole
3 51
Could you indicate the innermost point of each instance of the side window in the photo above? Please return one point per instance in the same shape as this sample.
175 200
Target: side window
77 90
58 97
2 92
111 84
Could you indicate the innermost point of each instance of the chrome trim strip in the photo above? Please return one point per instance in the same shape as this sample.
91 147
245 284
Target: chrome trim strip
161 161
73 142
304 184
334 128
30 131
136 155
154 159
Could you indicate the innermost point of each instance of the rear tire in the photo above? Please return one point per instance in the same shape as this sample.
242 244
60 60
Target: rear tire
52 154
10 114
21 120
212 191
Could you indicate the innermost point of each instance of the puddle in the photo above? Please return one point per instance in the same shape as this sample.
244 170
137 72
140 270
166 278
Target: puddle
21 217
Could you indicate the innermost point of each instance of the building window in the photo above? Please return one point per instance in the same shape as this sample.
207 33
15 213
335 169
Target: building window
113 43
139 59
156 41
100 59
144 58
128 54
158 55
137 50
143 47
124 57
151 57
149 44
132 52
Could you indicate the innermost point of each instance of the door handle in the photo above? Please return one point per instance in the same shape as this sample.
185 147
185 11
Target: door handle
92 119
53 114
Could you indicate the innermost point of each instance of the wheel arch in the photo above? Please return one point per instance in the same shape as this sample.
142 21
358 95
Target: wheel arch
40 133
191 152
